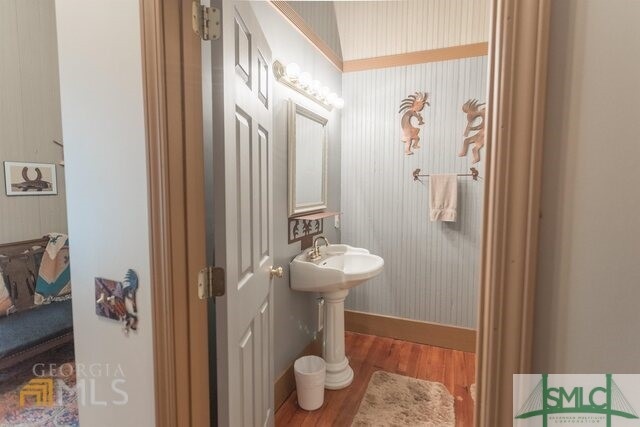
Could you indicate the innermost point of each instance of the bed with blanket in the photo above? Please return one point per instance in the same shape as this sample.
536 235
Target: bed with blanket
35 298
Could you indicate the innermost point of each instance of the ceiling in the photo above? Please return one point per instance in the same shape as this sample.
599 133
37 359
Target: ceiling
367 29
378 28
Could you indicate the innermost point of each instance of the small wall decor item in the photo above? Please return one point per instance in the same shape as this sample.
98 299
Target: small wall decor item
30 179
303 230
117 300
412 106
474 111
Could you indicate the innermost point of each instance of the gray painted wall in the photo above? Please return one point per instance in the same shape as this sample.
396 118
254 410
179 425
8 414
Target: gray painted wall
29 114
588 271
431 269
321 17
295 313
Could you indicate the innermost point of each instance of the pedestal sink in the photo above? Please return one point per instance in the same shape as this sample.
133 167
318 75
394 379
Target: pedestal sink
339 268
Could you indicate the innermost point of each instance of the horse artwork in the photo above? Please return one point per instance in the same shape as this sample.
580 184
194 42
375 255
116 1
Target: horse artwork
411 107
474 111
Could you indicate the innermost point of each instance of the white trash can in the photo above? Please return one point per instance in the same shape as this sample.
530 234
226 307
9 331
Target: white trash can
310 373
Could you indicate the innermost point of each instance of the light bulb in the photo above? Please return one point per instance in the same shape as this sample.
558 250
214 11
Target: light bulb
331 98
324 91
315 86
304 79
292 71
339 103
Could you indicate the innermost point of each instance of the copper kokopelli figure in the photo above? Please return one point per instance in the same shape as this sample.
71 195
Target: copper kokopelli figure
474 110
412 106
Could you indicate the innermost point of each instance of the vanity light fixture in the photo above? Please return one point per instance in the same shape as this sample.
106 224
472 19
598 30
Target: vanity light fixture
293 70
302 82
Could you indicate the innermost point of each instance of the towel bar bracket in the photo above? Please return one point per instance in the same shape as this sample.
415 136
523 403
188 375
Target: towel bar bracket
474 174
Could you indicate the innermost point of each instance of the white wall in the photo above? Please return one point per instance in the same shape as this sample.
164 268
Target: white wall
431 268
30 114
588 271
103 126
377 28
295 313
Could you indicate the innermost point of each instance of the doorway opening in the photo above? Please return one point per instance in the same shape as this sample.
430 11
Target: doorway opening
36 319
314 127
506 278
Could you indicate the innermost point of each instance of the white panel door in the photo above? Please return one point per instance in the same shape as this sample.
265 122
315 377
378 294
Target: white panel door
240 207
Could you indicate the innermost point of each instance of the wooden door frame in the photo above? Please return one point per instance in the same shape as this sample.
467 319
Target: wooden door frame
172 73
173 110
517 93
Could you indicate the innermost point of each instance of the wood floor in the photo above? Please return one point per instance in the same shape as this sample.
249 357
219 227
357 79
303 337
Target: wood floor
367 354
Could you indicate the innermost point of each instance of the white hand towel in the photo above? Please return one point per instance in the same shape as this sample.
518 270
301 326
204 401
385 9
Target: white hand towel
443 197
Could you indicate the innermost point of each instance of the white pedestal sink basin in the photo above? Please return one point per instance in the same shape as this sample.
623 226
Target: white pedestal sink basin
340 268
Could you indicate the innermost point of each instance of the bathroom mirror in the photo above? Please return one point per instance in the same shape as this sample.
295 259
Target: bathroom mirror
307 160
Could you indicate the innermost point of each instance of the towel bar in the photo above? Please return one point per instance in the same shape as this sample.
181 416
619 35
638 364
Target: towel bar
474 174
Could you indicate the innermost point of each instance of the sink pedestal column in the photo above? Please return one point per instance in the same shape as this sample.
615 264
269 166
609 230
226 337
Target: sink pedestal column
339 373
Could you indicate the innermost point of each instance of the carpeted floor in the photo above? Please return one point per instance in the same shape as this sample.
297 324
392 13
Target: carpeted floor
63 412
394 400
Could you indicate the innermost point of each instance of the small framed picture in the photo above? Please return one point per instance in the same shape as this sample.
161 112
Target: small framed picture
30 179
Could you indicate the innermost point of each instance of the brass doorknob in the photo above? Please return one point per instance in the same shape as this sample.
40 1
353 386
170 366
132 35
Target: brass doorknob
276 272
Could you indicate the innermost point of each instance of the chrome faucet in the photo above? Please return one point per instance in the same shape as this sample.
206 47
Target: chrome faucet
314 254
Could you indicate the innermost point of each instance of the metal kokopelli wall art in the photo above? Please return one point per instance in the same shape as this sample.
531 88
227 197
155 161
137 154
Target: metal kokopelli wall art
474 111
411 106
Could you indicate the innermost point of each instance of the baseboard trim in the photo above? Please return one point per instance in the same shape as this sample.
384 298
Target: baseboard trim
435 334
286 383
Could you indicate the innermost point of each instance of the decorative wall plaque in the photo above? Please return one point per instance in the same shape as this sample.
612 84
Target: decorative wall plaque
30 179
117 300
303 231
411 107
475 123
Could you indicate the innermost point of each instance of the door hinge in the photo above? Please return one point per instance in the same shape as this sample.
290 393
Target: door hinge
211 282
205 21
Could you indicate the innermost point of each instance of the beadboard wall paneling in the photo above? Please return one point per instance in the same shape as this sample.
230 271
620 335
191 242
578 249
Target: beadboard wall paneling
29 114
321 17
378 28
431 268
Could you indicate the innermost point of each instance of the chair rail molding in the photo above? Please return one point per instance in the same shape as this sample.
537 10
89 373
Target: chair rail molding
416 57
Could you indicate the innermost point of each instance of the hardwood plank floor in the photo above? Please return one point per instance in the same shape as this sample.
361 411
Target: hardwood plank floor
367 354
